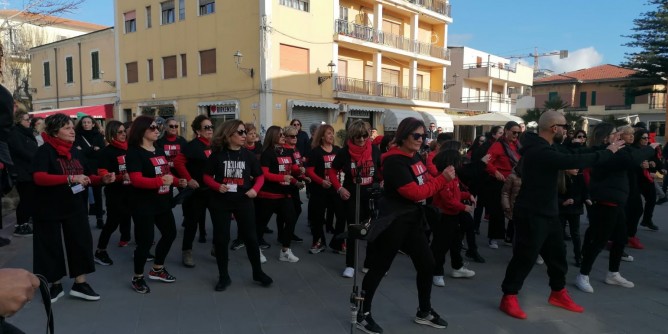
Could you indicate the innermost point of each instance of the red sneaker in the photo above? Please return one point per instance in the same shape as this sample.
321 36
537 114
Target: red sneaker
122 243
511 306
563 300
634 242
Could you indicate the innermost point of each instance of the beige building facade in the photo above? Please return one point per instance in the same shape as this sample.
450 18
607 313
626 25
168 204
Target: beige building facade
269 61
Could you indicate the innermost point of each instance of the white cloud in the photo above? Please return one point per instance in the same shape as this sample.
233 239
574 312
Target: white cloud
459 39
578 59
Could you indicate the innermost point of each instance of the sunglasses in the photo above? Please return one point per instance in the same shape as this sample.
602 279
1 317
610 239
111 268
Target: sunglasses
120 132
296 124
516 133
173 126
154 127
365 136
281 134
481 141
581 137
207 127
242 132
644 138
291 136
417 136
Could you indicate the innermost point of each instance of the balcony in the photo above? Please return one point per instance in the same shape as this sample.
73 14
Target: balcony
489 104
438 6
482 72
368 34
366 90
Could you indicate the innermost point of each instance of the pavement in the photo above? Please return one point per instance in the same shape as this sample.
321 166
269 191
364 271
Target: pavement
311 296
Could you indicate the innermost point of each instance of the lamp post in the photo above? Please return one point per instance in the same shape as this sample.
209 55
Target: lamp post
238 59
331 67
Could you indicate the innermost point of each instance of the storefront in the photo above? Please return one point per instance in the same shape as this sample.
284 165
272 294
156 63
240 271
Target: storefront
310 112
219 111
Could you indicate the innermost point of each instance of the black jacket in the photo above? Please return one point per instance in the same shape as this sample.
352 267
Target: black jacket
302 142
22 147
609 181
575 190
85 142
540 165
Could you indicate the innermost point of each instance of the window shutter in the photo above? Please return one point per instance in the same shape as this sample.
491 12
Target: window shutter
132 73
207 61
169 67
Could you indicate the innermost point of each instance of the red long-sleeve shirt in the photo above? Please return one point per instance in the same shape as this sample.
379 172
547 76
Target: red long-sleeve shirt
499 160
450 198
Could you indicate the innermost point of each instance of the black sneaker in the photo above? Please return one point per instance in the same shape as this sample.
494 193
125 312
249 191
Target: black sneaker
366 324
662 200
83 291
237 244
263 244
4 242
161 275
649 224
223 283
295 238
101 257
262 278
475 256
430 318
150 257
23 230
267 230
139 285
56 291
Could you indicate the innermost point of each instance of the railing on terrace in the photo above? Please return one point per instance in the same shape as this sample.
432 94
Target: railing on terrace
569 109
372 35
477 99
501 66
441 7
366 87
619 107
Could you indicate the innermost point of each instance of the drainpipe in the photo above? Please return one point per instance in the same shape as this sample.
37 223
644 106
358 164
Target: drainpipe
80 78
55 53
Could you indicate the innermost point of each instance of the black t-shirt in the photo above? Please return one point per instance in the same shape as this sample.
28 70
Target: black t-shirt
279 161
197 153
368 172
233 167
171 148
112 159
150 165
321 161
400 170
59 202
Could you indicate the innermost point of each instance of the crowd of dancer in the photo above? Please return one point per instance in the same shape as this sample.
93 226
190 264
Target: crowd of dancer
532 187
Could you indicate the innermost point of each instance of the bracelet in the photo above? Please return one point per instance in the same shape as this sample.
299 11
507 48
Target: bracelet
69 179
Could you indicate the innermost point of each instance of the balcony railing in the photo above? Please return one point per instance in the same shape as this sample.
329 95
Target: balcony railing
366 87
478 99
501 66
372 35
441 7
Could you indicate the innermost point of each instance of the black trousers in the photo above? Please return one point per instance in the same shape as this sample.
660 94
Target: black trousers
536 235
497 220
477 214
297 204
283 207
633 212
446 236
648 191
96 208
467 228
7 328
144 233
221 217
48 253
606 223
194 215
118 215
349 207
408 235
26 204
325 200
573 221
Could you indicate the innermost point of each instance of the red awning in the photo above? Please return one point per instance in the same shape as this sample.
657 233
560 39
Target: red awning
105 111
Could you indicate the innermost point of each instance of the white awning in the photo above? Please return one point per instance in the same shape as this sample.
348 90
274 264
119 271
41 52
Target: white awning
394 116
219 103
441 119
366 108
493 118
311 104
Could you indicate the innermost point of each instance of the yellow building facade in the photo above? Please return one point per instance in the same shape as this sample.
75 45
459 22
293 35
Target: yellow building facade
269 61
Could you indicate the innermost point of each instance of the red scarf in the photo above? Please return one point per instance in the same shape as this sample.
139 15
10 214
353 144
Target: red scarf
204 141
62 147
250 147
359 154
170 137
122 145
288 146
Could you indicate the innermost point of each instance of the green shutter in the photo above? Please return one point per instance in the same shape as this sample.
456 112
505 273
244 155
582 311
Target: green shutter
69 70
552 96
47 74
95 61
583 99
593 98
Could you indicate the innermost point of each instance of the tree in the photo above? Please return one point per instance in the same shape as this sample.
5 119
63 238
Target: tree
650 36
532 115
555 104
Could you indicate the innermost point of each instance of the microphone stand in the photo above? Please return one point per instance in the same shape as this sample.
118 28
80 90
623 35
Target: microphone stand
357 295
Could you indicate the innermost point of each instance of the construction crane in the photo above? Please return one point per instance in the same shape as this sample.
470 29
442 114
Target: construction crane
535 55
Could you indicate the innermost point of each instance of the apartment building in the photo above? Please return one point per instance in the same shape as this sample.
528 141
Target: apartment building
270 61
77 74
482 82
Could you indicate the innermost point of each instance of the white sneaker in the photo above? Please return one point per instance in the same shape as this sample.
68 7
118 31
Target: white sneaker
462 272
540 260
349 272
617 279
627 258
287 256
263 258
493 244
582 283
365 270
438 281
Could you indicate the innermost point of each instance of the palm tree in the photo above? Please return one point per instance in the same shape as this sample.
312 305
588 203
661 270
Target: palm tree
555 104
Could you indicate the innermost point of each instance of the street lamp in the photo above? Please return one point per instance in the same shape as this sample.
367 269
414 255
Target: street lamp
331 67
238 58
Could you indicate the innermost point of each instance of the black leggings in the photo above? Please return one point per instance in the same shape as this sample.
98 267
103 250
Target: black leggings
144 234
117 216
446 237
96 208
497 220
365 213
221 218
194 215
325 200
282 207
297 204
649 193
406 234
606 223
24 209
573 221
633 210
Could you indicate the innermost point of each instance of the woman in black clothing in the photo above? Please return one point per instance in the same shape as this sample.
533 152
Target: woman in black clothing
90 141
61 178
323 196
291 137
572 196
151 201
358 158
112 160
189 164
302 136
402 223
278 168
234 176
37 127
479 184
22 147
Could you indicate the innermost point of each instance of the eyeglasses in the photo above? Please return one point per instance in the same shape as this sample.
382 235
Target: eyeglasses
292 136
207 127
581 137
120 132
418 136
281 134
173 126
154 127
241 132
516 133
481 141
364 135
296 124
644 138
25 120
432 126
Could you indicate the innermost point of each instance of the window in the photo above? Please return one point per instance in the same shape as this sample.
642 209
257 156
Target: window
47 74
131 72
149 20
95 64
391 27
182 10
342 68
593 98
69 70
296 4
389 76
167 10
343 13
207 7
169 67
419 78
294 59
150 69
207 61
583 99
551 96
130 19
184 65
